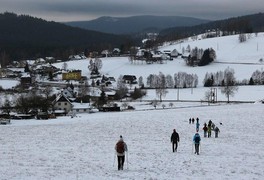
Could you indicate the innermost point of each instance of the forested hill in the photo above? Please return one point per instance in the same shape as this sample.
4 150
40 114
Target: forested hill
22 36
242 24
136 24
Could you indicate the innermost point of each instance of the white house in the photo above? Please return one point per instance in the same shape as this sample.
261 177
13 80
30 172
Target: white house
62 103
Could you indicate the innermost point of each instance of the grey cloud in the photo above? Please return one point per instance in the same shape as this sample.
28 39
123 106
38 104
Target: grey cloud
61 10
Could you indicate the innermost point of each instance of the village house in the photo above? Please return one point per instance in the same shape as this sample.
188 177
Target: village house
62 105
129 79
116 52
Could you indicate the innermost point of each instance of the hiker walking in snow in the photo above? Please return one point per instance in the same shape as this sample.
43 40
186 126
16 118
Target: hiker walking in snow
205 130
213 126
210 123
193 120
120 148
216 130
197 126
197 120
174 140
209 129
190 120
196 141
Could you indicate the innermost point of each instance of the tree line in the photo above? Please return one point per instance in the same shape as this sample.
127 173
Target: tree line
26 37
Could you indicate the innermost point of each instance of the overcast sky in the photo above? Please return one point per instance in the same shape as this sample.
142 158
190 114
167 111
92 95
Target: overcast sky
74 10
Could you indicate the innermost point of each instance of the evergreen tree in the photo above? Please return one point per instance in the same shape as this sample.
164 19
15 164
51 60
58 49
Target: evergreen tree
251 82
206 58
27 68
102 99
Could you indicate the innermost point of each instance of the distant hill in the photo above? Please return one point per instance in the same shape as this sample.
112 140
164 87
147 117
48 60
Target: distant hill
29 37
136 24
242 24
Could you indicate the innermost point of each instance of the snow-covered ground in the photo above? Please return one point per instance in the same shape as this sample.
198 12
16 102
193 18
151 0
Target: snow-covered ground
83 147
244 58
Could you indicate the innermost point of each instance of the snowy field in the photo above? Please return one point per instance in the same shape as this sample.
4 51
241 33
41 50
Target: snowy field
83 147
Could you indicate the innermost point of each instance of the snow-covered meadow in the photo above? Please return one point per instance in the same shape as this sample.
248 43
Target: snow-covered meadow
82 147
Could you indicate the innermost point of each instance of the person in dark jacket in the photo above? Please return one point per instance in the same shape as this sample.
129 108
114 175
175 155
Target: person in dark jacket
174 140
205 130
193 120
197 120
196 141
120 148
216 130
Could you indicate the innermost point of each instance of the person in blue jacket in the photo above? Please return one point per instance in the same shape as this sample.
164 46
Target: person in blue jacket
197 126
196 141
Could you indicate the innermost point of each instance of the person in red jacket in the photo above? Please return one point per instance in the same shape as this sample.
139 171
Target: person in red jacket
120 148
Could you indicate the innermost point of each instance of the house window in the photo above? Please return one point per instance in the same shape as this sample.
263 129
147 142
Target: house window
77 110
84 110
59 104
65 104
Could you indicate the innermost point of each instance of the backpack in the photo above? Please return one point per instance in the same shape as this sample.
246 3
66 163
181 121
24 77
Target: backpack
120 148
197 139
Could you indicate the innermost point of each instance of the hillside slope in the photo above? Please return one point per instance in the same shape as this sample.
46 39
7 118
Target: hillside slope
242 57
24 37
243 24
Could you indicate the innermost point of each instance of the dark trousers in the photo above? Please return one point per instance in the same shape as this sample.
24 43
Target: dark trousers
216 134
209 134
120 160
174 146
205 133
196 148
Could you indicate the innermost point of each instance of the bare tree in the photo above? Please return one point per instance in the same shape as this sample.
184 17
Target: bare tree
47 91
64 66
7 106
121 87
150 81
95 65
160 86
84 89
169 81
229 85
242 38
207 96
140 82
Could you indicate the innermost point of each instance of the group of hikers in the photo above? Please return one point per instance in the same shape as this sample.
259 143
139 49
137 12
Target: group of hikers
207 132
207 128
121 146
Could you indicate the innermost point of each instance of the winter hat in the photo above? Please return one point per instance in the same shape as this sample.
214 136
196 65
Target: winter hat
121 137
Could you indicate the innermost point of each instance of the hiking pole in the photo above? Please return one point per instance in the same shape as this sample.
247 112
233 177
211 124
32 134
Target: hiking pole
114 159
127 159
